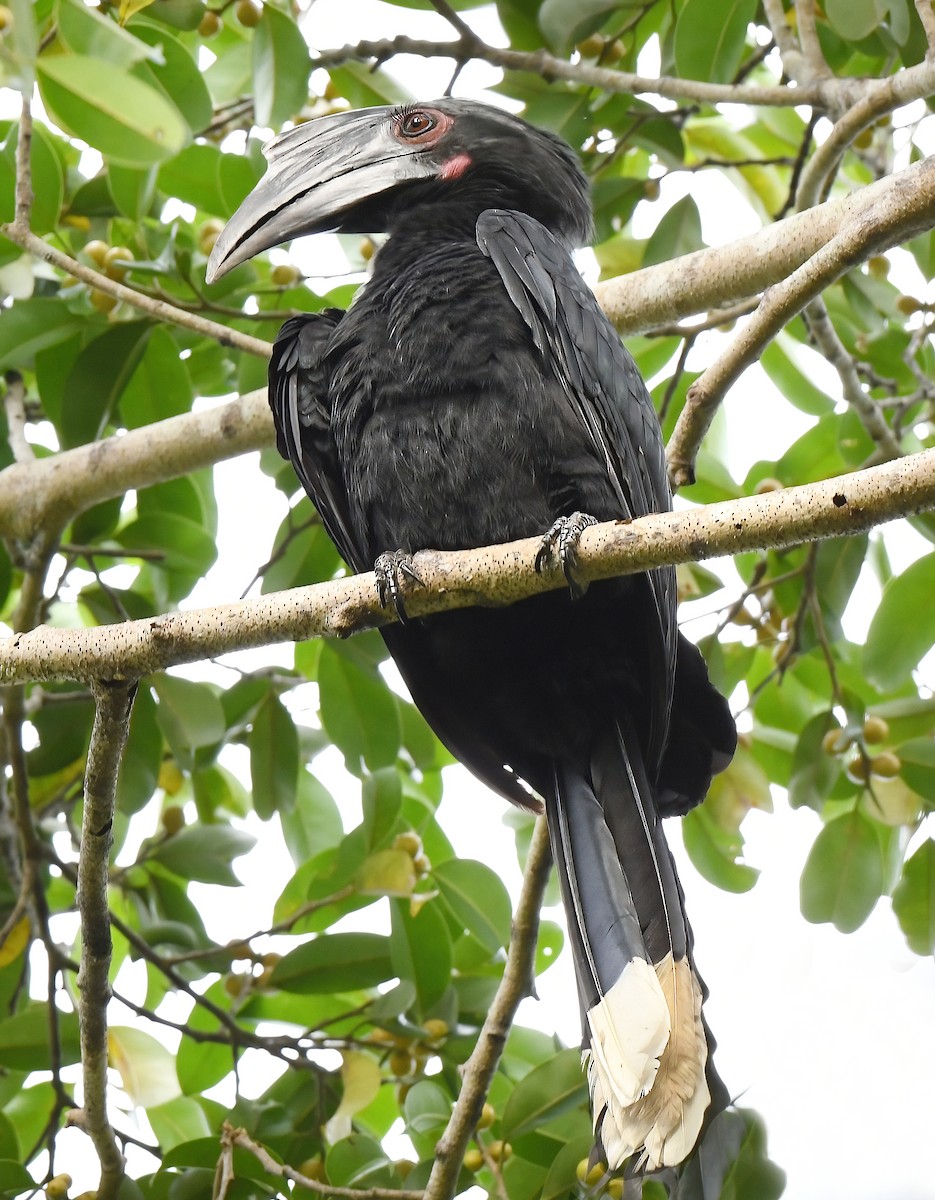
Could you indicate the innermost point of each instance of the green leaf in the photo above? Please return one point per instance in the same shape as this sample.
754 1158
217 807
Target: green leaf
145 1066
34 325
420 949
814 772
204 852
903 627
914 899
281 67
363 86
855 19
778 361
478 899
48 183
128 121
15 1180
24 1039
709 44
133 191
712 830
546 1092
358 1162
314 824
844 873
88 32
178 1121
178 77
679 232
97 380
159 387
142 757
274 758
427 1107
358 710
562 1178
190 715
335 962
564 22
204 176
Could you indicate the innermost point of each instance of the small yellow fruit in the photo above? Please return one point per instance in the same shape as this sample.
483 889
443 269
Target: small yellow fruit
908 305
170 777
864 139
271 959
284 275
886 764
208 234
239 949
588 1175
652 189
473 1160
422 864
487 1117
116 261
248 13
835 742
264 979
769 484
592 46
436 1030
858 769
96 250
58 1186
402 1063
367 248
236 985
103 302
876 730
878 266
210 24
408 841
500 1152
77 221
380 1037
6 18
173 819
614 1189
403 1167
313 1168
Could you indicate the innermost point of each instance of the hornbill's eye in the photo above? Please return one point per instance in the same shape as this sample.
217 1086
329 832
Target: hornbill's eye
421 125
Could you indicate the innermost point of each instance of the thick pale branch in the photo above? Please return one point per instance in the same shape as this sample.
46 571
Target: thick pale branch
494 575
725 274
108 737
518 976
49 492
897 215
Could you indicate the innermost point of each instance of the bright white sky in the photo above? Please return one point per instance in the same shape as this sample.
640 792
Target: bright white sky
831 1038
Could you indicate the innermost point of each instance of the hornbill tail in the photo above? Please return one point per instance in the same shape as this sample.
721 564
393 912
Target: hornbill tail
646 1044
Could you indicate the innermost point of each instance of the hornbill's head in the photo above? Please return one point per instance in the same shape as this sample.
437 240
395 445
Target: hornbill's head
434 165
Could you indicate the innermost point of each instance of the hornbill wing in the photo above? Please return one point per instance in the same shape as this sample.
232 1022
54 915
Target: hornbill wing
298 398
606 391
649 1073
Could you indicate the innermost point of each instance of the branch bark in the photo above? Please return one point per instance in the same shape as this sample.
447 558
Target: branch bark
493 575
893 218
52 490
517 981
114 702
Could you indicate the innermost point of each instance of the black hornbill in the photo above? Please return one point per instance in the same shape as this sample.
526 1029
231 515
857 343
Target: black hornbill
474 393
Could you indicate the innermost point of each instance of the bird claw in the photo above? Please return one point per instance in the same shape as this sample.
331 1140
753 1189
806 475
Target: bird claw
561 542
391 569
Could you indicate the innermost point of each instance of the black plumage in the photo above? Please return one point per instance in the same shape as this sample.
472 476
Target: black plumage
474 393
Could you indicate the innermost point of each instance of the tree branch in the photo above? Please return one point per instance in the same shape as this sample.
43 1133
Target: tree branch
49 492
518 976
896 216
726 274
494 575
113 703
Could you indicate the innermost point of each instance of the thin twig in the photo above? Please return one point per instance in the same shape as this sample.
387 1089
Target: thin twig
927 17
873 231
113 703
14 404
517 981
239 1137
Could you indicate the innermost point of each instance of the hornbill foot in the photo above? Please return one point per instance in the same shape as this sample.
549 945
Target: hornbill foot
391 569
561 541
